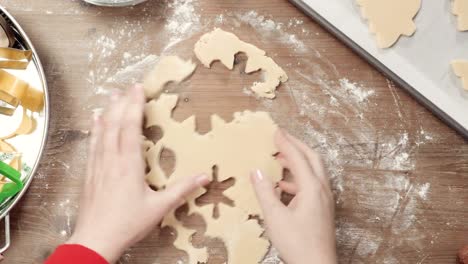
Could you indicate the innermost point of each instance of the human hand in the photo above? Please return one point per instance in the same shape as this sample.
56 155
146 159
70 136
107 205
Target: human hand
118 208
304 231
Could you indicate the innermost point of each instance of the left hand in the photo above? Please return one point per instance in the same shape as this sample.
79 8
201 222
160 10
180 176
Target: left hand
118 208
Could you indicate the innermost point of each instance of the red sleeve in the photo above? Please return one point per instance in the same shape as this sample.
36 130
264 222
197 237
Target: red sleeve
75 254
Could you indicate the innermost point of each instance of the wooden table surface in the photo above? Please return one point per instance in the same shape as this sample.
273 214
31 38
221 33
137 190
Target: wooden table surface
400 175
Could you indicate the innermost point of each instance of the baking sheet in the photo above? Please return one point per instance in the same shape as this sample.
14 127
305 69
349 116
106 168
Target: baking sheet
420 64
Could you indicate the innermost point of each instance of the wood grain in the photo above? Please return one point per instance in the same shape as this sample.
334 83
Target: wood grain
384 214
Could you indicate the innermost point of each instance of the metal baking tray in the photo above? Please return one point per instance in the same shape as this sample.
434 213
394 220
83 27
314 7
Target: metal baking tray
420 64
31 146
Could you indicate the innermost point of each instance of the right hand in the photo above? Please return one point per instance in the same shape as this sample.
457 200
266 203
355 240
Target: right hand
304 231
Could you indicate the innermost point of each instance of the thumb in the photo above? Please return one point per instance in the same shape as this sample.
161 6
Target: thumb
174 196
265 192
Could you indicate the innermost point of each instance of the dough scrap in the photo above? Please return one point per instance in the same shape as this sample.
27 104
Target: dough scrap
389 19
235 148
223 46
460 9
460 67
169 69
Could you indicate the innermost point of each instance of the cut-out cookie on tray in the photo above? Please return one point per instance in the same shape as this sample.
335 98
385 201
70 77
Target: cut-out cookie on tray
460 9
389 19
460 67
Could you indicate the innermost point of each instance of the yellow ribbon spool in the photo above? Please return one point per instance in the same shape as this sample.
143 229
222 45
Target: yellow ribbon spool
12 88
14 91
14 58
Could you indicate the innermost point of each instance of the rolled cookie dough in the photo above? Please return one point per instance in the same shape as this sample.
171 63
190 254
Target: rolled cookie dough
235 148
460 9
223 46
389 19
460 67
169 69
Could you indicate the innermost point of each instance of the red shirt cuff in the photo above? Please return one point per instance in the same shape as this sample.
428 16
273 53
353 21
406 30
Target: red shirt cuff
75 254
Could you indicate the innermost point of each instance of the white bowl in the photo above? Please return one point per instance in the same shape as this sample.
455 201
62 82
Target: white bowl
115 2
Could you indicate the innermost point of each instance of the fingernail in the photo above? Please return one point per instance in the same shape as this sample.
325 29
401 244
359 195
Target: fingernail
138 86
115 96
258 176
202 180
96 116
282 132
279 134
137 93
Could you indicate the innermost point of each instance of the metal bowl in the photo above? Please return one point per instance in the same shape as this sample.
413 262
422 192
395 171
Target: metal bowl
115 2
36 142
